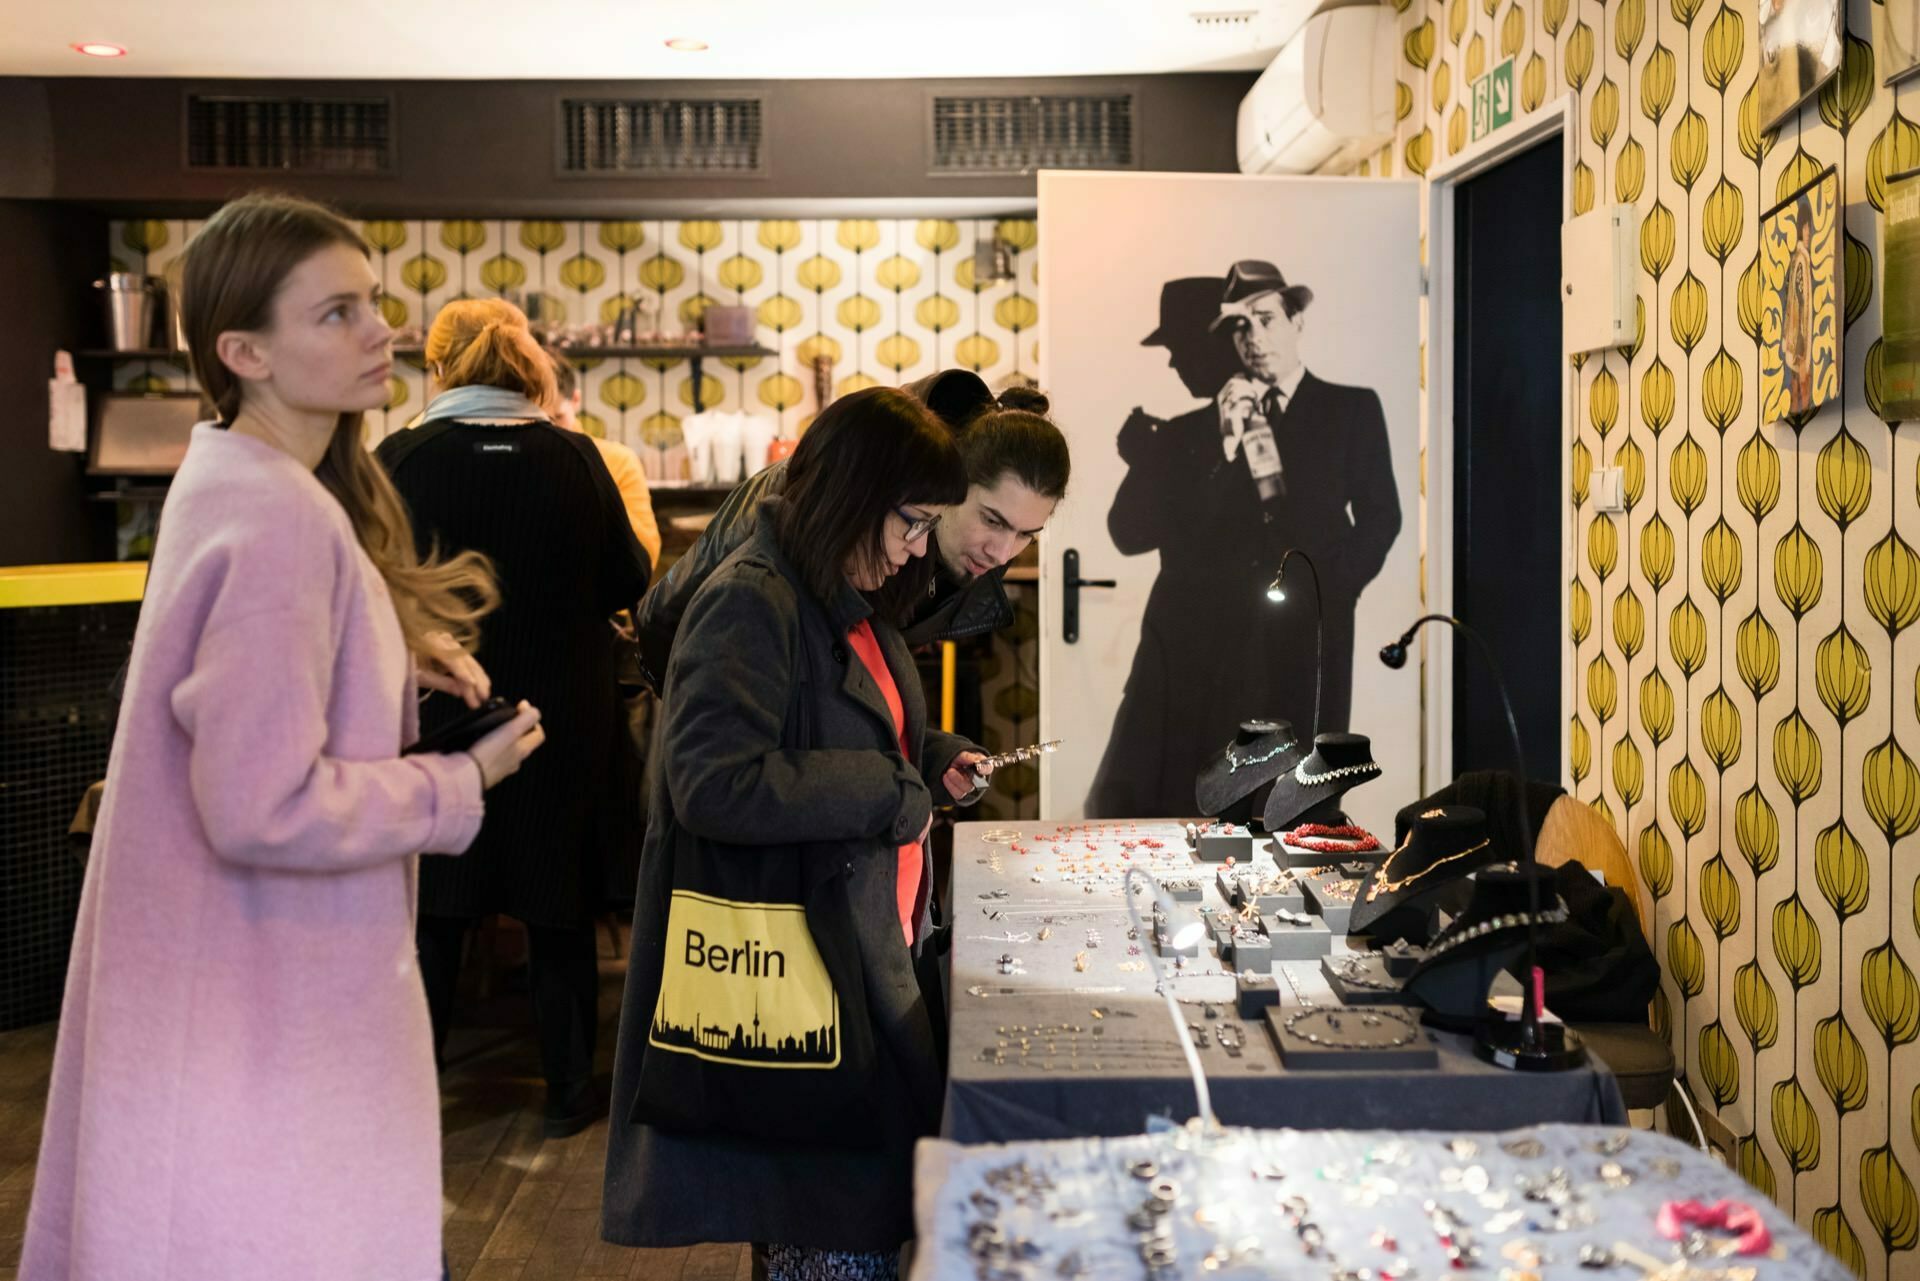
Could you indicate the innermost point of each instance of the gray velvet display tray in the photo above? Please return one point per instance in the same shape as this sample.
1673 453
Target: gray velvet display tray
1335 912
1249 950
1234 891
1254 993
1185 889
1299 1054
1297 942
1352 993
1215 848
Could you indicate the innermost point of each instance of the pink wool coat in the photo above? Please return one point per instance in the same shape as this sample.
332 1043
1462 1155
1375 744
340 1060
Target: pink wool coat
244 1083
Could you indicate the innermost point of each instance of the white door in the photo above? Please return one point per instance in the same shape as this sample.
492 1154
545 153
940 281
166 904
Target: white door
1135 346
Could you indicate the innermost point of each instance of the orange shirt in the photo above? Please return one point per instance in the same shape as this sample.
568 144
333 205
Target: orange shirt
630 478
907 889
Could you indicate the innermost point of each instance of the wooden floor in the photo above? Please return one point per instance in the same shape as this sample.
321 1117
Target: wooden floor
517 1207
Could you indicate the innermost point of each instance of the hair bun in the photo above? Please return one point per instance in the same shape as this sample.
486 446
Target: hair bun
1027 399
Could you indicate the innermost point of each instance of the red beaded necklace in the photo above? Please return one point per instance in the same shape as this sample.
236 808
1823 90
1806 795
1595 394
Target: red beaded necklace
1344 839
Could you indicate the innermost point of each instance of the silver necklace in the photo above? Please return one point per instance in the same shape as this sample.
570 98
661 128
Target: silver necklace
1298 995
1506 921
1352 970
1301 776
1334 1036
1235 763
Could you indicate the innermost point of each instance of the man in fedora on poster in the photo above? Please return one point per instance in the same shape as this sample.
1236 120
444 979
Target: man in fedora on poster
1278 459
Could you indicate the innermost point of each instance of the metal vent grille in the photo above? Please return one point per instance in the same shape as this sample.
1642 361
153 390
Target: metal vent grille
1018 135
677 137
311 135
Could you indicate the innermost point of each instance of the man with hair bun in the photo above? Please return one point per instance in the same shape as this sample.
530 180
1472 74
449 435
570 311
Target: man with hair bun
1017 469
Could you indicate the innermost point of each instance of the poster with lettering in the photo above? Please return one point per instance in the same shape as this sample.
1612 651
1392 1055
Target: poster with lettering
744 984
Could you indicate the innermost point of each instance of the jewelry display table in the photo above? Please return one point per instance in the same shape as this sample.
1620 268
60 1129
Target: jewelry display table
1056 1031
1550 1203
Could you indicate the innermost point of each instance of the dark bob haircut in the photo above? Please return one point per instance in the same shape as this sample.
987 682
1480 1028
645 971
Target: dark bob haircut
866 454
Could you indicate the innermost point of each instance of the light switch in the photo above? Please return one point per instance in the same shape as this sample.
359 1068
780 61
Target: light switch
1609 489
1599 266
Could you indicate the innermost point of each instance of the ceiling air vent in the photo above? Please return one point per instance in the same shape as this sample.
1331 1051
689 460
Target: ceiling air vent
992 135
662 137
290 135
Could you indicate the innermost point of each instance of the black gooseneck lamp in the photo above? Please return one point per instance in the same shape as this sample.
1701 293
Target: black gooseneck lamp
1532 1045
1277 593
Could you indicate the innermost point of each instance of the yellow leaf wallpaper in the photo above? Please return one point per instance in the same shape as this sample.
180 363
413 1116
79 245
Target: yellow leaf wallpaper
892 300
1763 768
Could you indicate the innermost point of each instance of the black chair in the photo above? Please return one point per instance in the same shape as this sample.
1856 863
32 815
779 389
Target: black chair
1640 1059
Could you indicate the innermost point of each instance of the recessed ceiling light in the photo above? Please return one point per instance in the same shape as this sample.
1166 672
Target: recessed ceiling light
99 49
685 44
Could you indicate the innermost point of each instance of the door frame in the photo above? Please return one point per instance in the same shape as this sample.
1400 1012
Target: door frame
1544 122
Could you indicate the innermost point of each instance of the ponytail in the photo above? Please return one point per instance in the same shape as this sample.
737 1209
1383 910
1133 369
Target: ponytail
485 342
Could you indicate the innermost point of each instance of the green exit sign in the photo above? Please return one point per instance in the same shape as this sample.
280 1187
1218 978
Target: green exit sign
1493 100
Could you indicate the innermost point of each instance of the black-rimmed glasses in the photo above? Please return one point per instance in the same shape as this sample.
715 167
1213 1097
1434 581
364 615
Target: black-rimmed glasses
916 525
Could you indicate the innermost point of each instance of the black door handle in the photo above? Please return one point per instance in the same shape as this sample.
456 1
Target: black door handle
1071 582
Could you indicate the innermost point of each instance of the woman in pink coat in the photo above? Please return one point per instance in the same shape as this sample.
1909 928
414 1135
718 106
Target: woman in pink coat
244 1083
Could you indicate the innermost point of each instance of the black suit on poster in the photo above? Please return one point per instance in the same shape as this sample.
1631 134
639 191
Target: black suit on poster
1213 650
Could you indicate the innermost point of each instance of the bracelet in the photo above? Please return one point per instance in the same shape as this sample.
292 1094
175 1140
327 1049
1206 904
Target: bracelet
1325 845
1344 839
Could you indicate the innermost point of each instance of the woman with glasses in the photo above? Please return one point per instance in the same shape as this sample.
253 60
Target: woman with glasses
785 862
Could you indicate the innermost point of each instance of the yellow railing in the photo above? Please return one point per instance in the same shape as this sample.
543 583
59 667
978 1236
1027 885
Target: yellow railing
27 586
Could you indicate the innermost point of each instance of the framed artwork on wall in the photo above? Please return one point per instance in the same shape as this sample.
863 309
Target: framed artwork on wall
1800 46
1900 305
1800 301
1899 38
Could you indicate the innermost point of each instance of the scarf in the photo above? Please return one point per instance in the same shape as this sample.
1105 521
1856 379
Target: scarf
474 401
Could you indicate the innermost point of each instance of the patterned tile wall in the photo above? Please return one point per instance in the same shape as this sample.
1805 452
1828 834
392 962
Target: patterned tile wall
889 301
1746 677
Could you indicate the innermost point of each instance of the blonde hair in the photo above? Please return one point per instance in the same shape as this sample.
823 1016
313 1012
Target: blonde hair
234 269
486 342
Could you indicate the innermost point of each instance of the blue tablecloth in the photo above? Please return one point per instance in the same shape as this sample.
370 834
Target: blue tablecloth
1077 1043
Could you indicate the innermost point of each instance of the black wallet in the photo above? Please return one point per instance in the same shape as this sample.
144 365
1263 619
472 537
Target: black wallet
466 729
